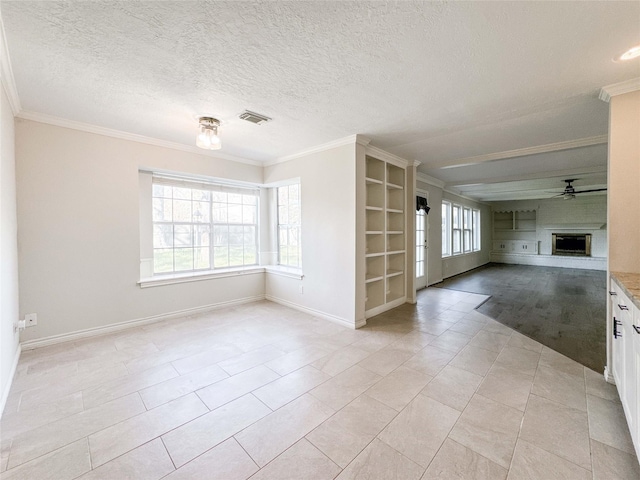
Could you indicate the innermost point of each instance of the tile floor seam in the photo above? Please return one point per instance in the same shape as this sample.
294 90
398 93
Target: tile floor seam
169 455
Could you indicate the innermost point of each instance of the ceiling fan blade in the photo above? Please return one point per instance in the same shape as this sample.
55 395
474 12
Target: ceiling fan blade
594 190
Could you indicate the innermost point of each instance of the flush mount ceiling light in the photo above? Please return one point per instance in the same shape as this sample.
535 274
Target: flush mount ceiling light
208 134
633 52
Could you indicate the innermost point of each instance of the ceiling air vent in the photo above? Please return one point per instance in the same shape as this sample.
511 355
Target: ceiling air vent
254 117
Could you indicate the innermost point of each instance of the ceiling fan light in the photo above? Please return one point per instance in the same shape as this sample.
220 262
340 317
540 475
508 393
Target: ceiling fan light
633 52
207 137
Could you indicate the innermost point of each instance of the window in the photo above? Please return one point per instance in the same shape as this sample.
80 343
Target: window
466 229
289 231
456 228
476 230
199 226
460 229
446 229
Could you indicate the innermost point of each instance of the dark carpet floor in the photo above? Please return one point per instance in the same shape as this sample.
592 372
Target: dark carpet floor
562 308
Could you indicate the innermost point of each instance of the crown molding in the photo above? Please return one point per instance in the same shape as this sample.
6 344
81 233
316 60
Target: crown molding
6 73
109 132
387 157
619 89
351 139
424 178
522 152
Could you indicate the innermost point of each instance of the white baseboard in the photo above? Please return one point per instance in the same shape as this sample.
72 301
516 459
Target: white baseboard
7 387
317 313
91 332
608 376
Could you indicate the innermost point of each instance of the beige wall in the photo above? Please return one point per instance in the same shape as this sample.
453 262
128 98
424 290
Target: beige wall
79 236
327 182
624 183
8 248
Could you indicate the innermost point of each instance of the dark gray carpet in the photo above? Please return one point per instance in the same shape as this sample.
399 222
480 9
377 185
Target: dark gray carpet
562 308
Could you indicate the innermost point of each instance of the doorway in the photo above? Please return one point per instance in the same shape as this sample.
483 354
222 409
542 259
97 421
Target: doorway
422 248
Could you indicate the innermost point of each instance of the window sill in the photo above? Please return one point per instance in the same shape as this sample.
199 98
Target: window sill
462 254
161 280
284 271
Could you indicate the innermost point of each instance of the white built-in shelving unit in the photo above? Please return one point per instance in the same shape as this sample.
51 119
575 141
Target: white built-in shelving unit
514 231
385 236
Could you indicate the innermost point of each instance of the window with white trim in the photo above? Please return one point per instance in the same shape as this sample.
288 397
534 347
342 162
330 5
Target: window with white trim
446 228
466 230
289 227
200 226
475 225
456 228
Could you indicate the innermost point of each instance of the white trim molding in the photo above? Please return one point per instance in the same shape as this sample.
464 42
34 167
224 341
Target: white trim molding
115 327
424 178
134 137
317 313
12 374
351 139
197 276
522 152
608 376
619 89
387 157
6 73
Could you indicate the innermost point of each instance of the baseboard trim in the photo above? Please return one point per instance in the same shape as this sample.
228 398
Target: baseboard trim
316 313
608 376
7 387
115 327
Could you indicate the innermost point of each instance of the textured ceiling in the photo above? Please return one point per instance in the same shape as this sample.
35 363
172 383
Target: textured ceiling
432 81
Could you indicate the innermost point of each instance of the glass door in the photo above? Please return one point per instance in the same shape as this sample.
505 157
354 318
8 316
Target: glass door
422 246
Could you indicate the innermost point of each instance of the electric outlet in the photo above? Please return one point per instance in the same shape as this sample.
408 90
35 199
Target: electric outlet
300 289
31 319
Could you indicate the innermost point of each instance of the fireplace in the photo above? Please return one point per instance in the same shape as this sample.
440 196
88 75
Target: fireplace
571 244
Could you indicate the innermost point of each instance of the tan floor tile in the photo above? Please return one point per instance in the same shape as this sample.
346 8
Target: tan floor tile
561 387
343 388
343 436
340 360
176 351
552 359
240 363
430 360
297 359
47 438
474 360
493 326
66 463
453 387
302 460
179 386
413 341
507 386
598 386
518 340
610 463
455 461
19 422
439 325
199 435
210 356
467 327
608 425
5 448
386 360
375 341
520 359
291 386
380 461
122 437
488 428
227 461
489 340
125 385
419 430
149 462
549 425
399 387
451 341
234 387
272 435
531 462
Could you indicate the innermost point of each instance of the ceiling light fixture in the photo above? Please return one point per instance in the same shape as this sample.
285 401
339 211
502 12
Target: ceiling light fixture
208 134
633 52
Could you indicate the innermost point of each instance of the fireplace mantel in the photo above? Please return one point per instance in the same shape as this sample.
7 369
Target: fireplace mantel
576 226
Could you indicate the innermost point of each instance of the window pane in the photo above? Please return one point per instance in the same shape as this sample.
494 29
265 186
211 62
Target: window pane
250 256
162 210
221 256
249 200
202 235
235 213
235 198
182 193
294 194
283 196
220 213
201 195
163 261
457 241
182 211
183 258
201 212
183 235
219 197
283 214
162 191
236 235
248 214
249 236
162 236
220 235
236 256
202 258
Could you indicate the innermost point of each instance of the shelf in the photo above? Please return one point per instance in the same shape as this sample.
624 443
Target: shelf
394 186
373 232
394 210
375 209
373 278
395 232
373 180
378 254
393 273
395 252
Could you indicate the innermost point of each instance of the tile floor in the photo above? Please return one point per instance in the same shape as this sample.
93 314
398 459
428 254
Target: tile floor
431 391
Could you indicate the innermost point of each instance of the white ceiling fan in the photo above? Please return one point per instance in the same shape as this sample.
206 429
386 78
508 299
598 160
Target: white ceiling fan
570 192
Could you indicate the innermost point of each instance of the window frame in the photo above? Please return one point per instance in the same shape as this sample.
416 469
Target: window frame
456 229
476 230
288 225
446 229
460 222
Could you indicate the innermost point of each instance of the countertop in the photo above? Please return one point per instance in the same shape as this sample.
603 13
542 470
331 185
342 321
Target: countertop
630 283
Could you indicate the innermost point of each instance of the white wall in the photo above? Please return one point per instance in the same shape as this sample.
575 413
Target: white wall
583 214
8 248
327 183
78 230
